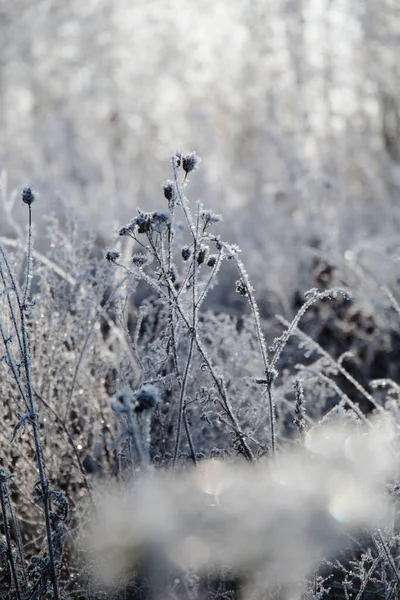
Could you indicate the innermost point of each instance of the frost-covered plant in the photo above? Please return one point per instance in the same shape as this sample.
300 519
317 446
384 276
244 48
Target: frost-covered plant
54 411
17 356
136 381
180 261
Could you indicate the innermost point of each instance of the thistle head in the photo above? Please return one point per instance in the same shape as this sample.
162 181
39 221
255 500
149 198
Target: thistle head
28 196
190 162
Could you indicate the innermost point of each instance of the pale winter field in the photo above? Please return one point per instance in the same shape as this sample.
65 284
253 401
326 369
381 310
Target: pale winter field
199 358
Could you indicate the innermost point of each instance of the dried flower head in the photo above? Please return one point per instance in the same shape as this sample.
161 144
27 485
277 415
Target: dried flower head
140 260
169 190
142 222
127 229
112 256
28 196
160 219
209 217
212 260
190 162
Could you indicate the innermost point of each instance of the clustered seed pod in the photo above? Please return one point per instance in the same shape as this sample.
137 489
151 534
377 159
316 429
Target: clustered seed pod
160 219
146 222
112 256
186 253
190 162
127 229
140 260
241 287
142 222
28 196
210 217
211 261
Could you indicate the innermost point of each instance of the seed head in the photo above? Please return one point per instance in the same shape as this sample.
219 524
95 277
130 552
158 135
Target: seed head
28 196
209 217
127 229
112 256
160 219
169 189
142 222
190 162
211 261
140 260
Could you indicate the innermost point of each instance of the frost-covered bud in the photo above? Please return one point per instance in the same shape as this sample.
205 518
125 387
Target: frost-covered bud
28 196
211 261
146 399
160 219
241 287
209 217
201 256
186 252
169 189
140 260
142 222
112 256
190 161
126 229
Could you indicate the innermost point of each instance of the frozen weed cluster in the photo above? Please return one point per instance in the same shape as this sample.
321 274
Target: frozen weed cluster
162 450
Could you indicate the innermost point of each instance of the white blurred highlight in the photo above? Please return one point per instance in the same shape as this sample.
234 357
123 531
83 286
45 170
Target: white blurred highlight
275 517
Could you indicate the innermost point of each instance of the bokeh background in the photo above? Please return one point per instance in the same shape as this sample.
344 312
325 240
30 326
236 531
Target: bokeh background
293 106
